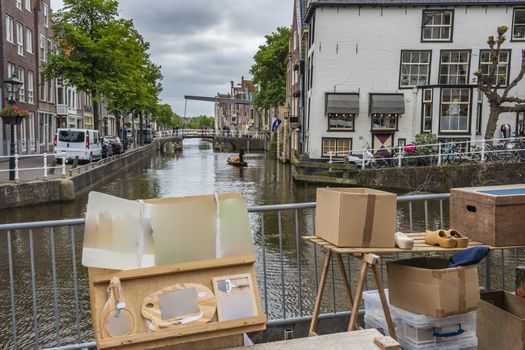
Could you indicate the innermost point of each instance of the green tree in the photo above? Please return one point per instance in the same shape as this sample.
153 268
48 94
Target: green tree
165 116
497 90
89 47
269 69
202 121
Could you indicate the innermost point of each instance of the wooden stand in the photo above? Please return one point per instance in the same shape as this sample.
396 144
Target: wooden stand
367 260
137 284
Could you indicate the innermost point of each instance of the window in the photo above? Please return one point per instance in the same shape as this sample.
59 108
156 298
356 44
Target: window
19 4
341 110
437 25
29 41
49 47
28 5
30 87
501 75
518 24
520 124
22 91
43 88
384 121
311 75
338 147
50 91
11 70
415 68
401 142
479 112
343 122
19 39
455 110
42 48
427 110
9 29
454 67
46 16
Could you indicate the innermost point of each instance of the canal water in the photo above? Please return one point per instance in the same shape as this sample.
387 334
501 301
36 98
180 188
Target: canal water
64 319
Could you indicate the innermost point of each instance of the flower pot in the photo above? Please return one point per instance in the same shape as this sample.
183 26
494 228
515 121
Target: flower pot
16 119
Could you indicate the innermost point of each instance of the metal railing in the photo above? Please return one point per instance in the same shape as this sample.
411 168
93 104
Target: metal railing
42 170
470 151
211 133
46 289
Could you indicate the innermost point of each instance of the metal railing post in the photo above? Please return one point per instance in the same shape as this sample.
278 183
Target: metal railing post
399 156
330 155
63 166
483 144
439 153
45 166
17 170
364 158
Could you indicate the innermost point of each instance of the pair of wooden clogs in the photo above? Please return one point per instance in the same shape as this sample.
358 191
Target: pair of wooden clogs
446 239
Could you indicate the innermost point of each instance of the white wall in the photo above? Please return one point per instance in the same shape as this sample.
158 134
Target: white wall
359 50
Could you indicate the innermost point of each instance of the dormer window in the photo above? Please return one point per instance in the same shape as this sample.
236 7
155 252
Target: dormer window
437 25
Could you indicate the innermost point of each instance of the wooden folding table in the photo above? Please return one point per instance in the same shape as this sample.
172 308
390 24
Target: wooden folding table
369 259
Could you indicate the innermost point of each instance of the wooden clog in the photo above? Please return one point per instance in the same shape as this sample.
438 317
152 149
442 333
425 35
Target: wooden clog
462 241
117 318
440 238
403 241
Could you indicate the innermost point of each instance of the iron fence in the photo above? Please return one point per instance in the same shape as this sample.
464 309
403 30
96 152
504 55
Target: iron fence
46 288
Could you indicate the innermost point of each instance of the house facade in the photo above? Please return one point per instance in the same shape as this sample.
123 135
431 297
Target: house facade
380 72
236 116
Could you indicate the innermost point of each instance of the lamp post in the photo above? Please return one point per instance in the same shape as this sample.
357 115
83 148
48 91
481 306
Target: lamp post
12 84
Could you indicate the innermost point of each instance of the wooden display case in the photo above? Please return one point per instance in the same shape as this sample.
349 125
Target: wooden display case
139 283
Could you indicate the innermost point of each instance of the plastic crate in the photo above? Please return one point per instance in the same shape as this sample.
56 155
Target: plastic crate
379 324
421 329
465 343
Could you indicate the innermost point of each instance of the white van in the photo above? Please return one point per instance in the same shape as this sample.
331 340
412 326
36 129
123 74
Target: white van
83 143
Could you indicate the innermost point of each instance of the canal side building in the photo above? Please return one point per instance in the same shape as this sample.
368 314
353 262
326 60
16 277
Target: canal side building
380 72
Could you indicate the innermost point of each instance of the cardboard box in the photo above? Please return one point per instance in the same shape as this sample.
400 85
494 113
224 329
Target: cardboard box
427 286
494 215
356 217
501 321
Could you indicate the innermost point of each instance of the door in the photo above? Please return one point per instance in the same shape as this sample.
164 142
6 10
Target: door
382 141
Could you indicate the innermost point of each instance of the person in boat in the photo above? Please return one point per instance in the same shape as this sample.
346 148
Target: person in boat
241 155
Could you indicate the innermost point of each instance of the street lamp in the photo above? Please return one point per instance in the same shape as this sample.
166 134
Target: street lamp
12 84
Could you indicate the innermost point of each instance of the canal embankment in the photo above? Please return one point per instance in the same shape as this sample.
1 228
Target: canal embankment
410 179
77 181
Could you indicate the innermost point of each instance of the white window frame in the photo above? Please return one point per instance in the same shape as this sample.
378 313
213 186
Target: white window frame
451 78
486 62
30 87
518 25
22 91
427 102
436 25
28 5
19 4
42 48
11 69
413 66
456 98
336 146
46 16
19 39
42 88
29 40
10 29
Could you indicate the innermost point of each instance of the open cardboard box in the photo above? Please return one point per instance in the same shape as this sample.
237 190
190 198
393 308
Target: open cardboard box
156 244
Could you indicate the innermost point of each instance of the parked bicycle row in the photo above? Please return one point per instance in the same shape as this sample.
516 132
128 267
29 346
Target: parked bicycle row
494 151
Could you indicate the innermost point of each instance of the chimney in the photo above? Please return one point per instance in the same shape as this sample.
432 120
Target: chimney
242 81
231 83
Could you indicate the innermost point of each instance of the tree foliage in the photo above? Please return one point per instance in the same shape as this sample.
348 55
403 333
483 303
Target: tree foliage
494 89
202 121
105 56
165 117
269 69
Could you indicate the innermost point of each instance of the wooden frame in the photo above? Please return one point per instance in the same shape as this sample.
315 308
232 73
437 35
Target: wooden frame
233 277
423 40
429 74
137 284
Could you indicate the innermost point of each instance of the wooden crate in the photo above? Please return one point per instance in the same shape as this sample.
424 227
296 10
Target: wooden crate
496 218
137 284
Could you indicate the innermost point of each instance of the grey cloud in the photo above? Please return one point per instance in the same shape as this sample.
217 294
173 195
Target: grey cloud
203 44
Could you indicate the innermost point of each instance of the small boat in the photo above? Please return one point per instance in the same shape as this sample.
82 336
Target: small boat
235 161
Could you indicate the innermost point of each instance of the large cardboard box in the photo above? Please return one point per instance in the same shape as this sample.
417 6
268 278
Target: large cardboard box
356 217
494 215
427 286
501 321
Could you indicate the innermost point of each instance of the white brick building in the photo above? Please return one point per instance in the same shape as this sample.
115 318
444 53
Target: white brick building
380 72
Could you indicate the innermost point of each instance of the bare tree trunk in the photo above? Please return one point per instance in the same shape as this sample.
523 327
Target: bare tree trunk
493 121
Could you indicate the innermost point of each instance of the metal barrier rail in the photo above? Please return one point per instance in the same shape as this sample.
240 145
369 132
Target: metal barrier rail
211 132
288 291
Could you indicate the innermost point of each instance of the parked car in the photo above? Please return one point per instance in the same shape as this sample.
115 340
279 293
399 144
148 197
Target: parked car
84 143
116 145
107 150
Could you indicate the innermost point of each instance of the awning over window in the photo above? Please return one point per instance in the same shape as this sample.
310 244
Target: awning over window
387 104
342 103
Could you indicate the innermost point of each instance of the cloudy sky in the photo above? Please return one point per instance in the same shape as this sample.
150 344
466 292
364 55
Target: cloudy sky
203 44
